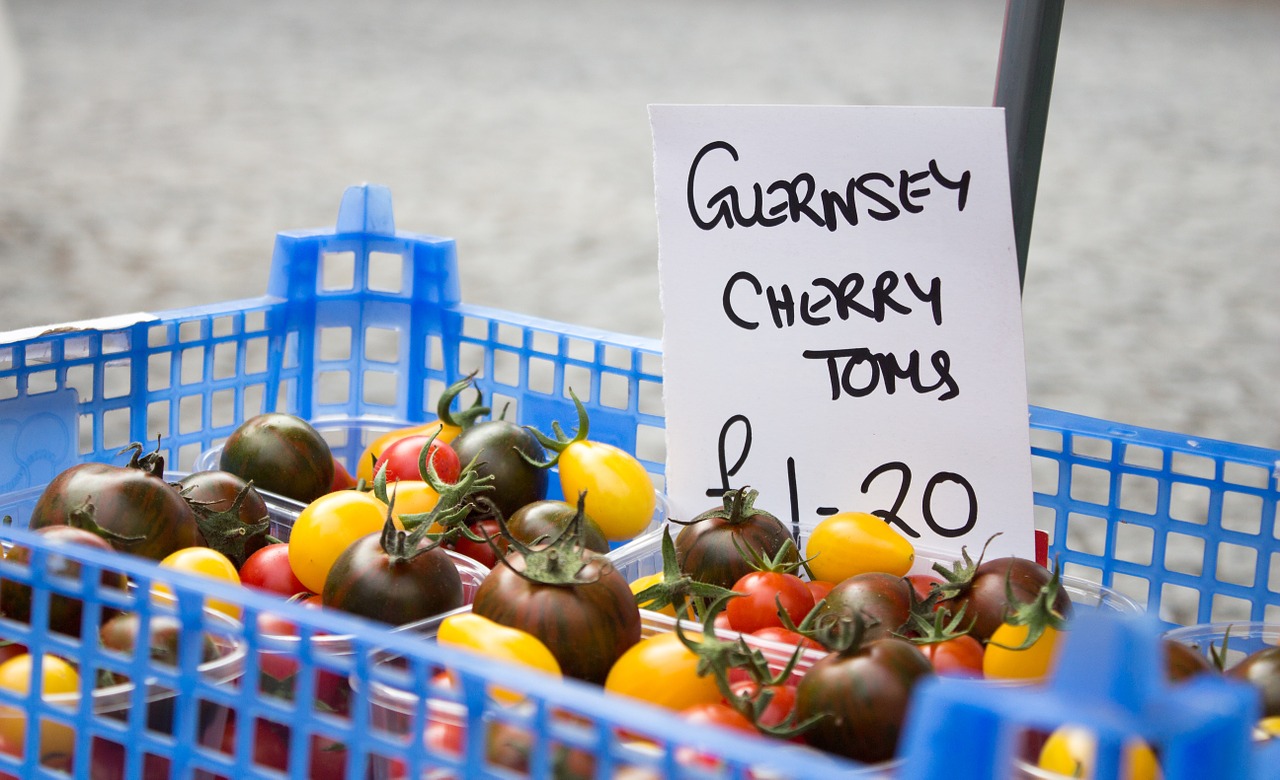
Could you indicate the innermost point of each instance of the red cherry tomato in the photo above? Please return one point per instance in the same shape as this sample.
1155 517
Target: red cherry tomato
762 592
819 589
958 657
342 479
779 706
401 459
268 569
481 552
923 584
788 637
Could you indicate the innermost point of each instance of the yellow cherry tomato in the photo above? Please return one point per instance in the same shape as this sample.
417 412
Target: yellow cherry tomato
413 497
850 543
202 562
1030 664
620 493
59 677
478 634
327 527
1071 752
659 669
364 468
1267 728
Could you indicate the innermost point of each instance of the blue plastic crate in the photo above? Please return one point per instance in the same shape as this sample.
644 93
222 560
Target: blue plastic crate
364 321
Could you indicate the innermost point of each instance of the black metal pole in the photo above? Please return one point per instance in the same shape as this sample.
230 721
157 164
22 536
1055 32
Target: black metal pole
1024 79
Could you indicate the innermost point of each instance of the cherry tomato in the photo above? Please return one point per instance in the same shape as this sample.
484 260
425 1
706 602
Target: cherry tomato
326 528
342 479
619 491
819 589
788 637
717 714
364 468
401 458
58 677
280 453
661 670
1072 752
278 664
268 569
711 714
620 494
414 497
481 552
850 543
1000 662
476 634
923 584
960 656
781 700
202 562
762 592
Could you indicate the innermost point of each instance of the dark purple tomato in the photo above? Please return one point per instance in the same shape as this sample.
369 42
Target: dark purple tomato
545 519
1182 662
133 509
863 697
710 547
232 515
65 612
281 454
500 448
1261 669
883 600
586 626
985 597
121 634
394 587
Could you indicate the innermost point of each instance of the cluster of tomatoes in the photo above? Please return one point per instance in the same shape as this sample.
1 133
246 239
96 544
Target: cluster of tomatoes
864 630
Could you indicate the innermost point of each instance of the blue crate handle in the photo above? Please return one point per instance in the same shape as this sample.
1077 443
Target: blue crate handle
1110 680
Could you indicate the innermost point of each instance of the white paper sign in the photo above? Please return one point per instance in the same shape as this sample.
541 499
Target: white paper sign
843 322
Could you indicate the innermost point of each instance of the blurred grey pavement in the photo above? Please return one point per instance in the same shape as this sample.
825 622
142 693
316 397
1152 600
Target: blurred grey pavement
155 149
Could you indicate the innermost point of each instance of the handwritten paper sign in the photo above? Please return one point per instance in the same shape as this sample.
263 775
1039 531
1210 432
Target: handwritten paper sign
843 327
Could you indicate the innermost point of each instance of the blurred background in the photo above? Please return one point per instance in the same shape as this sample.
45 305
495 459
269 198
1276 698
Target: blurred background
150 151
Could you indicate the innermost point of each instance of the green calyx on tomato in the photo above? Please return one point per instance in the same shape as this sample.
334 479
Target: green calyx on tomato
620 492
1038 615
929 627
677 589
227 530
709 547
721 657
152 462
464 418
558 560
457 500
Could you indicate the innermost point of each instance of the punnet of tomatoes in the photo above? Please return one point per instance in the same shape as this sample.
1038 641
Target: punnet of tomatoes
866 613
122 628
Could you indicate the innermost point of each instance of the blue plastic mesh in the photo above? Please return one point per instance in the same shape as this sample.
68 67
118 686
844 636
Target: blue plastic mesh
366 322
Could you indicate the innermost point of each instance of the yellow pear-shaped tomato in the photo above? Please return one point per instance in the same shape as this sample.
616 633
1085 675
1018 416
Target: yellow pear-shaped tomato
619 492
478 634
850 543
